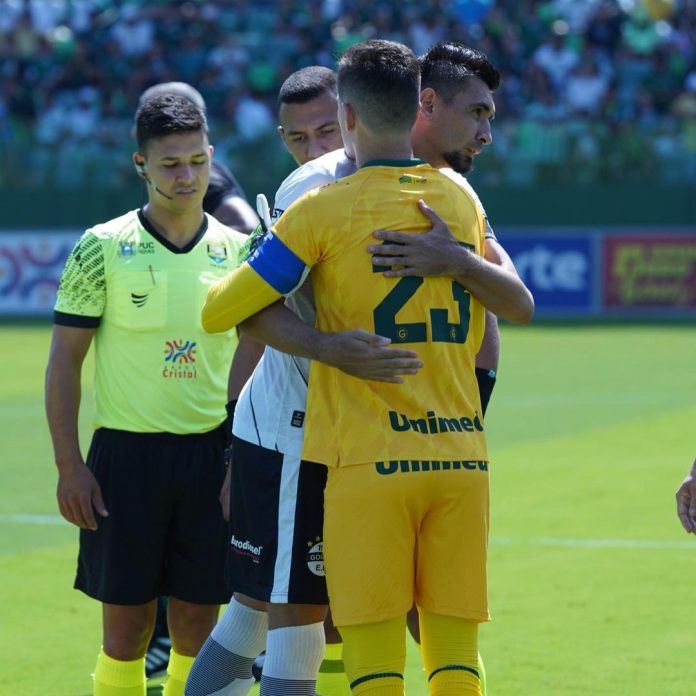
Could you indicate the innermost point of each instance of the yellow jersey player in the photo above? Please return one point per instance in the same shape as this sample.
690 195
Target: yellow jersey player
407 463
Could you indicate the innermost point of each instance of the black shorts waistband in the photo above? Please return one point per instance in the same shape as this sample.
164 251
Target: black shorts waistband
163 436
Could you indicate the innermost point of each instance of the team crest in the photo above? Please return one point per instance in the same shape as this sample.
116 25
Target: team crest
315 557
126 250
217 253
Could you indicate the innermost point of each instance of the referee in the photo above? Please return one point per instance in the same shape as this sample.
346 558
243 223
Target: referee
226 202
146 500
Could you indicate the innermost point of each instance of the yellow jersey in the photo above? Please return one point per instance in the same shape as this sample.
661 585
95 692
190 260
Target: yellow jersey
436 414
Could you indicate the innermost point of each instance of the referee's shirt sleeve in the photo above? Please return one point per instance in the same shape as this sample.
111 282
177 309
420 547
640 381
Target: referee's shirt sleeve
81 294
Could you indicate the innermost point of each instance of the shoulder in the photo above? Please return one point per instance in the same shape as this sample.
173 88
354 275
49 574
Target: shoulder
309 176
463 184
222 232
117 229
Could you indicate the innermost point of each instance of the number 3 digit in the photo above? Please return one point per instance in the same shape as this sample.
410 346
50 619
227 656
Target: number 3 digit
443 331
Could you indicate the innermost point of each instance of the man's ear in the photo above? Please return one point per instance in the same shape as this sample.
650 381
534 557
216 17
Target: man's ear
349 115
428 97
139 164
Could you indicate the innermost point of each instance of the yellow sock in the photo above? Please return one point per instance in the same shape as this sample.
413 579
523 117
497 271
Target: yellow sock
449 646
482 674
177 673
375 657
332 679
119 678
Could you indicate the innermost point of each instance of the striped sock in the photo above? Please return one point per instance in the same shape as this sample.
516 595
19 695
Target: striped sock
293 657
223 666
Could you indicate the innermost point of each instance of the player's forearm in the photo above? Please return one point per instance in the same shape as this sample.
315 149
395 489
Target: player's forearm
279 327
235 298
245 359
63 394
497 289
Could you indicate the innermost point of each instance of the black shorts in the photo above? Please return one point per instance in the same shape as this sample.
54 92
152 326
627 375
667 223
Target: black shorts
165 534
276 520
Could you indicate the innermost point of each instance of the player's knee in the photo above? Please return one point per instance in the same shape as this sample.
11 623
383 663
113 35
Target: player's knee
127 630
284 615
190 624
249 602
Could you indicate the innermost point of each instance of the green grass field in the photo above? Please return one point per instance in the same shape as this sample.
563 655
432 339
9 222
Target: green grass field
591 430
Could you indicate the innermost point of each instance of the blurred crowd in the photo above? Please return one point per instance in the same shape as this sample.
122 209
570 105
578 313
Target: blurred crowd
592 90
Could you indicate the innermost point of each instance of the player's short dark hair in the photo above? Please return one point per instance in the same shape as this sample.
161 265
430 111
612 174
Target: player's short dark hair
183 89
307 84
165 115
381 81
447 66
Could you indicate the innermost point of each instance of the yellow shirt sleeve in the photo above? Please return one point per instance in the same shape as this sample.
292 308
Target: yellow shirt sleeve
235 298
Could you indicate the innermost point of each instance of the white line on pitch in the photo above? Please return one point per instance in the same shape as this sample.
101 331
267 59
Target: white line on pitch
33 519
596 543
499 540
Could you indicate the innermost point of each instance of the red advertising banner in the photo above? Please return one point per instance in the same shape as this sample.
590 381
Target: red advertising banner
656 271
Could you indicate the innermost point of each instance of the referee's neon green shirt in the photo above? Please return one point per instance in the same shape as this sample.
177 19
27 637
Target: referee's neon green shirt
156 369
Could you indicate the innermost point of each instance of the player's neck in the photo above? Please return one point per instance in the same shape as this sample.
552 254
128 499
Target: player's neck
423 150
176 226
370 149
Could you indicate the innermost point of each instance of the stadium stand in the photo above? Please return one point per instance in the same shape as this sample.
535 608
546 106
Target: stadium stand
592 91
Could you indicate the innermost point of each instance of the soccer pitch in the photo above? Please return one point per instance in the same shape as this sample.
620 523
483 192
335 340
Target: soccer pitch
591 430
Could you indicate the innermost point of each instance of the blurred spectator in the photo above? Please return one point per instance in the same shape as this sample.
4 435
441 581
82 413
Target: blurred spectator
26 37
426 31
568 66
555 58
252 117
47 14
604 27
10 12
133 32
585 87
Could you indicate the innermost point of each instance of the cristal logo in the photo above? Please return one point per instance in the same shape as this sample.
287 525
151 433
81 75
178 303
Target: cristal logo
179 360
180 351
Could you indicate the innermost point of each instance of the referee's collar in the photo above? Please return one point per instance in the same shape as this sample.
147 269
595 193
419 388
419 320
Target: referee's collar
165 242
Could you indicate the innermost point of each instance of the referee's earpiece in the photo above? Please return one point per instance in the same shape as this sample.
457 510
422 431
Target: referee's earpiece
142 173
